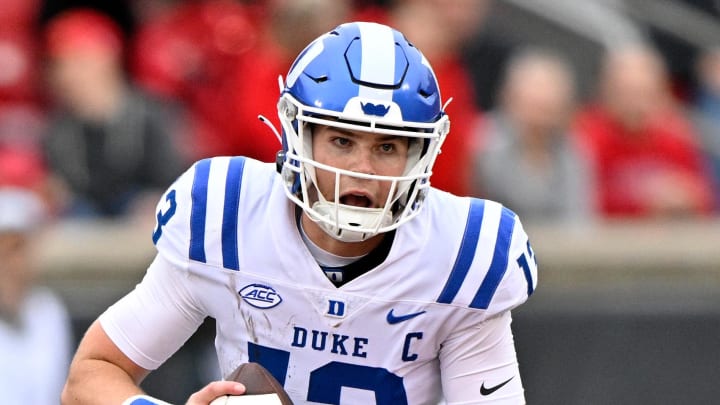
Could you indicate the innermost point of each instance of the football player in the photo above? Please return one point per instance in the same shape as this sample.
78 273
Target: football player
338 268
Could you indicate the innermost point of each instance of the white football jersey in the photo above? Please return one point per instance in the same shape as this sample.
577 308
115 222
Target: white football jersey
229 248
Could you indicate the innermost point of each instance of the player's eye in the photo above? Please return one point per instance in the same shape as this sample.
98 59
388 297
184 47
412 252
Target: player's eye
341 141
387 147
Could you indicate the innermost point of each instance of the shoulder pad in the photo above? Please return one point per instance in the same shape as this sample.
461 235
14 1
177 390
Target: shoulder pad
198 214
495 268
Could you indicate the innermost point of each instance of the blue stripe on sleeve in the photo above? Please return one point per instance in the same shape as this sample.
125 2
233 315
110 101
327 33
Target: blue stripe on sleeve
143 400
230 213
198 212
499 262
466 253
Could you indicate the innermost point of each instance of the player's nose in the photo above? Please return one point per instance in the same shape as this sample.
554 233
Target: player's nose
362 161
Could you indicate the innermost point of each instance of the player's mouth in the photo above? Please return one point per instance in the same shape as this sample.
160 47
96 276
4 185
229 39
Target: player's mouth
356 199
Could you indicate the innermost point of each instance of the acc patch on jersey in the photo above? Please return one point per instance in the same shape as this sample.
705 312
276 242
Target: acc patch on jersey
260 296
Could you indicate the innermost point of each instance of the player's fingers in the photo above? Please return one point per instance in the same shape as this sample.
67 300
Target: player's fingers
215 389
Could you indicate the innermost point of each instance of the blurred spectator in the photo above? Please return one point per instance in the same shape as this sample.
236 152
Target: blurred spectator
21 112
21 168
647 157
705 108
18 67
440 28
18 51
35 334
529 160
286 28
110 146
19 14
21 163
188 51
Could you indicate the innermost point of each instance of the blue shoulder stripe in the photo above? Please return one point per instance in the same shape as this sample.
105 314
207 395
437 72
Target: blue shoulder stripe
499 262
466 253
233 182
198 210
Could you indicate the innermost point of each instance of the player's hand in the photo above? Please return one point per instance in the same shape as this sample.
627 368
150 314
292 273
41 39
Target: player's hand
215 389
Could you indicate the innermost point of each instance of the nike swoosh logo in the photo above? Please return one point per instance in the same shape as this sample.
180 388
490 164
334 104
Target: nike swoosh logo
489 390
392 319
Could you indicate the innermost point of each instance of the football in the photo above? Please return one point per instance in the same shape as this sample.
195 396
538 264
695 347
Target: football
262 388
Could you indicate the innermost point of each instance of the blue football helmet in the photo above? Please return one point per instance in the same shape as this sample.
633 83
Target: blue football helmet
361 77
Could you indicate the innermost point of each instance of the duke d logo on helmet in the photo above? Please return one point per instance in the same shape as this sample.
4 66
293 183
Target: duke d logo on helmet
375 109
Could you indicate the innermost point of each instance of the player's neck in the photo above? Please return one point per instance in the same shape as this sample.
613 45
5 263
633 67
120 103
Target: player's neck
334 246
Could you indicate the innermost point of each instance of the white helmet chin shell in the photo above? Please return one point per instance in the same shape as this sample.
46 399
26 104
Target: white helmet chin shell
348 223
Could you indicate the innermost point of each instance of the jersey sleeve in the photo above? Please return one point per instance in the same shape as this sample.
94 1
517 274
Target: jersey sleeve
196 238
493 272
479 365
154 320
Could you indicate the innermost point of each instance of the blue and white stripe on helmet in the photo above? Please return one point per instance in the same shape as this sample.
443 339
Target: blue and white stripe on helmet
382 70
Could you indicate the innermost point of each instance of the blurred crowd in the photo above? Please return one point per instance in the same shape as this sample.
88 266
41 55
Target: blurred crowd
102 106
